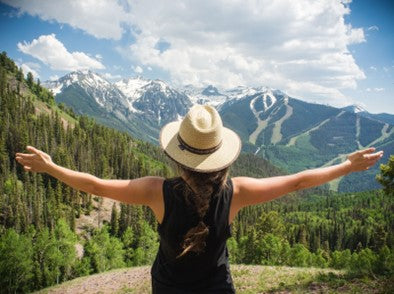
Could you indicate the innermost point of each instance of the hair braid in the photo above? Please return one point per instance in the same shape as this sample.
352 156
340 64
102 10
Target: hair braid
199 190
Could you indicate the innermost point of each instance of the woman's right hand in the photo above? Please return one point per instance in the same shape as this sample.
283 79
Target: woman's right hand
35 161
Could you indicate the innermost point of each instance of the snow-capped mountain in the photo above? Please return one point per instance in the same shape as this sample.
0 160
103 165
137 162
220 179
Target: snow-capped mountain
155 100
219 97
205 95
355 108
102 91
291 133
136 105
381 117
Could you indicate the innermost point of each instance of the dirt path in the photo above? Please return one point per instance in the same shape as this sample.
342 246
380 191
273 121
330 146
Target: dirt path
127 280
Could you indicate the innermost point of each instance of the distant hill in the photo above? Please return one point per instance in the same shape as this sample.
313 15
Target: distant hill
296 135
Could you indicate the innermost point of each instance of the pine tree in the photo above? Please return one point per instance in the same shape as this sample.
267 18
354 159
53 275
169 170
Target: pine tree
386 176
30 80
114 221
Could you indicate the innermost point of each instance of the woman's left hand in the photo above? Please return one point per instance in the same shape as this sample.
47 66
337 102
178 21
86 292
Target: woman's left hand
363 159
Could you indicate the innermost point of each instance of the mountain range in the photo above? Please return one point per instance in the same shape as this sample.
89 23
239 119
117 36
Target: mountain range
291 133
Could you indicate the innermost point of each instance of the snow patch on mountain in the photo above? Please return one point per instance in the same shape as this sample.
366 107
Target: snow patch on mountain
355 108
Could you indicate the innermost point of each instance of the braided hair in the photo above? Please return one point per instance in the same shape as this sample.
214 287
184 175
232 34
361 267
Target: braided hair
198 189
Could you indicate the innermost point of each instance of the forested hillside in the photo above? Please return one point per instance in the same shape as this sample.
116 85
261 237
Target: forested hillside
296 135
38 214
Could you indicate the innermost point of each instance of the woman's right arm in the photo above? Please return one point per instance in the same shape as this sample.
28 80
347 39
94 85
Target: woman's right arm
145 191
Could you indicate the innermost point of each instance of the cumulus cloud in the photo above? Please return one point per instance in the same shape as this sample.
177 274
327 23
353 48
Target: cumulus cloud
31 67
298 46
102 19
52 52
375 89
137 69
54 78
112 77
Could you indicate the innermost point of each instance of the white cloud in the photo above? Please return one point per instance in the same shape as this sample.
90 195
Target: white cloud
375 90
301 47
102 19
137 69
373 68
54 78
52 52
298 46
112 77
373 28
31 67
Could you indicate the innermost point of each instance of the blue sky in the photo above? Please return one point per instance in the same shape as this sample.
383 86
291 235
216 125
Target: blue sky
330 52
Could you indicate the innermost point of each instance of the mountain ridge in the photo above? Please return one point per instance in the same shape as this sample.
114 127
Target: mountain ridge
292 133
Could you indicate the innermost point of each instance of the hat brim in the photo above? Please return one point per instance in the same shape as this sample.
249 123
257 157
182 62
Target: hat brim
218 160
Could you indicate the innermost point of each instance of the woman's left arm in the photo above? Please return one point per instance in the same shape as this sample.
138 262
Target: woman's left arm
250 191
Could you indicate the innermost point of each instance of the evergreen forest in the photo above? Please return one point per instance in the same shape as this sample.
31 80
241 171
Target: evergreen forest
38 214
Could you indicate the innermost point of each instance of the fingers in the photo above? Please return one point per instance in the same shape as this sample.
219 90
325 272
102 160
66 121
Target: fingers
25 163
27 168
24 155
366 151
33 150
374 156
371 159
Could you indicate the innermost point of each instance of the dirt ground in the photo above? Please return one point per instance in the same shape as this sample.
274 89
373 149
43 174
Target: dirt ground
128 280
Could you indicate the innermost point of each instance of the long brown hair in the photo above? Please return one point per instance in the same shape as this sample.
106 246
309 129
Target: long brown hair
199 189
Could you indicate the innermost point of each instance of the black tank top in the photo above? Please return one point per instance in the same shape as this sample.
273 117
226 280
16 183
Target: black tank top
205 272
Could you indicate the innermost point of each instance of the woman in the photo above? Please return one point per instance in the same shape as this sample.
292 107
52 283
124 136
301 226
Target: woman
195 210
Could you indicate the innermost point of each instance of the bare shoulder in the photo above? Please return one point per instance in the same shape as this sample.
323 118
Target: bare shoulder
153 187
150 187
238 183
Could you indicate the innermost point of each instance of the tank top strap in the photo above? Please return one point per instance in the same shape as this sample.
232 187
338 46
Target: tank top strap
224 199
168 196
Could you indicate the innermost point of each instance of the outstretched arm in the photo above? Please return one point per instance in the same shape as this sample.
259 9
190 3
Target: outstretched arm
143 191
249 191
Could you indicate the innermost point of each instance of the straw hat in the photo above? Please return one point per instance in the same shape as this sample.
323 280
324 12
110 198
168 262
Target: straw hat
200 142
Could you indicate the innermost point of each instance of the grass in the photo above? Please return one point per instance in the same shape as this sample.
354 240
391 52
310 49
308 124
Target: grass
248 279
281 279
